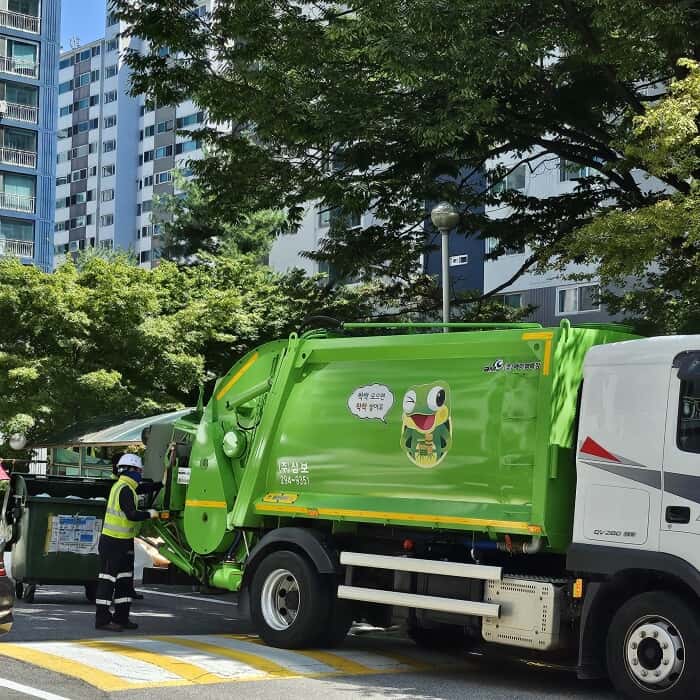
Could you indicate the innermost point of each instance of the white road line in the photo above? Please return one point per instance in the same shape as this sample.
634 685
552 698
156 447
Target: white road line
123 667
199 599
26 690
209 663
287 659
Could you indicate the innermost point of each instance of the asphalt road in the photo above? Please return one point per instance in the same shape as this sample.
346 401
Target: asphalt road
186 640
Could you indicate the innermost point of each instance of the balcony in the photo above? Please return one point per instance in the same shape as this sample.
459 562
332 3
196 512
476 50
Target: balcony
16 66
17 20
16 249
22 159
17 202
20 113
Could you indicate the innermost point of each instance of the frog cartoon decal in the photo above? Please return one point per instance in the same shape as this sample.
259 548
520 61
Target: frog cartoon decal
426 431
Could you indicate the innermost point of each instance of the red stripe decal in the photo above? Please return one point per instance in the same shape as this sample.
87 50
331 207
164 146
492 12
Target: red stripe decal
591 447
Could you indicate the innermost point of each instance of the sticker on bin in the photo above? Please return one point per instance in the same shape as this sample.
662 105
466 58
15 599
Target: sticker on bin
78 534
183 475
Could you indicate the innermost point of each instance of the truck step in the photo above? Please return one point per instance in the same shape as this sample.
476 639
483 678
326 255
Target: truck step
423 602
422 566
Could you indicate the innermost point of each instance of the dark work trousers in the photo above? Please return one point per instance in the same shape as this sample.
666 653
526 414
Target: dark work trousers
116 580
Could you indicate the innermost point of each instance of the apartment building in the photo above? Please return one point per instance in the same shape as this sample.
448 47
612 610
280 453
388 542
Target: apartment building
554 294
116 152
29 48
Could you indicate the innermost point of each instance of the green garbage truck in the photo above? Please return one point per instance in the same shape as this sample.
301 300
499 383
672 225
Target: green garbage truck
513 485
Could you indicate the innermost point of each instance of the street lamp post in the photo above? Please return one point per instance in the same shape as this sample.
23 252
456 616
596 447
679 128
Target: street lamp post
445 217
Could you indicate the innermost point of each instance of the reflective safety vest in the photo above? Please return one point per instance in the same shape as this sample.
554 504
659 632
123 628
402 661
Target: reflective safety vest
116 523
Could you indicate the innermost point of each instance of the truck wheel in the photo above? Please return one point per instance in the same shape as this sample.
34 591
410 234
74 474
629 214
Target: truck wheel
340 621
653 647
29 591
290 605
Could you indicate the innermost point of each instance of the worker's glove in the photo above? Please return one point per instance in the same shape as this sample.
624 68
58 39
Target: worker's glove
153 514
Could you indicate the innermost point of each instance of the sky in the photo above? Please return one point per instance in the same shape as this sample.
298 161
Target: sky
82 18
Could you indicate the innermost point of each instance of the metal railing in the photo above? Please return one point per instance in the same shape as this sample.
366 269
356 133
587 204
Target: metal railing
17 20
16 249
13 156
17 202
19 67
18 112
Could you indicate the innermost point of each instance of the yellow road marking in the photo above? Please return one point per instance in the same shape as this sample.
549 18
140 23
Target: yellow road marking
186 671
237 376
257 662
547 336
282 508
325 657
206 504
69 667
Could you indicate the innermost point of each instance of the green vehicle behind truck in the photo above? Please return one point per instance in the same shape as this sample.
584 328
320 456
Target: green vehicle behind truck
430 478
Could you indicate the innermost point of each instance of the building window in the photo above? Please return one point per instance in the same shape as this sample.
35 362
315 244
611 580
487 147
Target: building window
145 256
146 231
568 170
112 45
79 175
514 180
83 79
94 76
112 19
65 111
163 152
148 181
109 146
147 206
456 260
107 243
64 180
92 172
107 220
110 96
147 156
66 62
110 121
65 87
111 71
108 170
107 195
190 120
95 51
187 147
514 300
162 178
165 126
575 300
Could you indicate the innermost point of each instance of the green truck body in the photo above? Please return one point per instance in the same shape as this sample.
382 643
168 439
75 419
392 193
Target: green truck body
345 429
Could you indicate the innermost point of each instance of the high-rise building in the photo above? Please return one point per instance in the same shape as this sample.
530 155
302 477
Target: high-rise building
116 152
29 48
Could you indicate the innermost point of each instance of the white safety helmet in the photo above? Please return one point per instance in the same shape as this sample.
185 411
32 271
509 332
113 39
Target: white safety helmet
129 461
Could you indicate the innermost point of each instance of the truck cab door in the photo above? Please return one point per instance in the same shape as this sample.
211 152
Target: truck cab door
680 512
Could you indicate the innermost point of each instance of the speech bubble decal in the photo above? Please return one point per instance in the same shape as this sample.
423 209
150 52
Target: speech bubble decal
369 402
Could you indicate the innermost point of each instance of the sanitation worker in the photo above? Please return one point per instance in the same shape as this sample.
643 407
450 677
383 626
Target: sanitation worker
116 546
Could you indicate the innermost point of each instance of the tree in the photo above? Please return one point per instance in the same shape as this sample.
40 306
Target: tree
388 104
192 222
110 338
657 245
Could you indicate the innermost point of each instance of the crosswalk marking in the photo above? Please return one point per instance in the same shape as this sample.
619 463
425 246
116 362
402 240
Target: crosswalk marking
124 663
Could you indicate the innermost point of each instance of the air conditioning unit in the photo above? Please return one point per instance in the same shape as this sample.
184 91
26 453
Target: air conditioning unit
3 107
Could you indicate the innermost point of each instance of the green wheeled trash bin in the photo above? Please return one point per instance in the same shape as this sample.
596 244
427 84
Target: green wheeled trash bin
56 529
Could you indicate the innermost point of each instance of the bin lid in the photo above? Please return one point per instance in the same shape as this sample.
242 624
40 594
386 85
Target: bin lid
104 432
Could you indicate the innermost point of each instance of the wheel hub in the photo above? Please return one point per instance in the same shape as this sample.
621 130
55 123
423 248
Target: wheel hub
654 653
280 600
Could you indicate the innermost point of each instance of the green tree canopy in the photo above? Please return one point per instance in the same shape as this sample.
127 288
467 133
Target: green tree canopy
109 338
388 104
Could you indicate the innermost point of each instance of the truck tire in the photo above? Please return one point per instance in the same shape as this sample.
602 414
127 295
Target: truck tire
29 591
653 647
290 602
